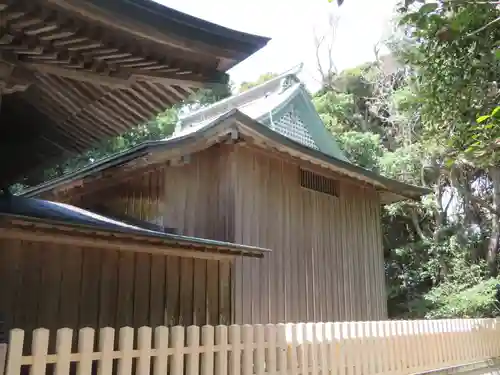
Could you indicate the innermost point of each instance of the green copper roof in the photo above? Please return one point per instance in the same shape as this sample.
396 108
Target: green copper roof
282 104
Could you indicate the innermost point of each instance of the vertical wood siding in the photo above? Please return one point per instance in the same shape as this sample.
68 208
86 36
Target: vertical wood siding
59 286
326 262
194 199
327 259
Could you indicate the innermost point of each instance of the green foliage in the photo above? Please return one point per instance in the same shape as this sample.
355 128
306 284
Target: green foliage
481 142
364 149
405 124
162 126
403 164
455 300
337 110
456 69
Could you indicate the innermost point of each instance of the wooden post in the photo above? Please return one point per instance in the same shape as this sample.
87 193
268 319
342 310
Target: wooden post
4 335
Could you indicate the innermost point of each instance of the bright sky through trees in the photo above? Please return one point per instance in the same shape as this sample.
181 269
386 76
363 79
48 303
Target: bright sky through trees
291 24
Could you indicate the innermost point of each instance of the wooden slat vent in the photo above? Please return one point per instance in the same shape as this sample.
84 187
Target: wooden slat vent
317 182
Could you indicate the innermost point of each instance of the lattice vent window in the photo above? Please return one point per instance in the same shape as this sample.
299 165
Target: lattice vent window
317 182
290 125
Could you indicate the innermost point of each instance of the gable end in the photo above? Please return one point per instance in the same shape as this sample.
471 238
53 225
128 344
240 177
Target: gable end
291 125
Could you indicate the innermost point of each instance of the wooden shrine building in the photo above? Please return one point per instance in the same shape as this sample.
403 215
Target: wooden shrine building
258 169
72 74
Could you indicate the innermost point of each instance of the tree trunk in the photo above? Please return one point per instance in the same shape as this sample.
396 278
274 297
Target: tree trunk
494 242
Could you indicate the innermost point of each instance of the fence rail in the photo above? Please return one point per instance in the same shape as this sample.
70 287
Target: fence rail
353 348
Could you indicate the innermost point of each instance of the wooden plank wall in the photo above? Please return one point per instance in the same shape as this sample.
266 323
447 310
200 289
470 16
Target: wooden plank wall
327 259
57 286
195 200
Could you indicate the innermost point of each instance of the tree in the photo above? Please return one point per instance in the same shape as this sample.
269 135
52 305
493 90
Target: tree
324 44
435 250
453 49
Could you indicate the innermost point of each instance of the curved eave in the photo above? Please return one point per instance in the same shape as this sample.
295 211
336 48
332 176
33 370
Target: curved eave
152 21
389 190
181 24
96 236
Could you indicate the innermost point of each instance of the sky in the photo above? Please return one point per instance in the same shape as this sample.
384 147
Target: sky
292 25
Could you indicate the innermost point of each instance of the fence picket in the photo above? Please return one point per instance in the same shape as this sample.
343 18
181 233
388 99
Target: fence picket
350 348
329 349
160 366
235 358
207 360
419 351
283 351
370 335
313 352
301 349
85 349
144 336
40 347
193 357
260 351
335 349
106 346
273 346
126 347
322 357
63 349
221 355
364 348
247 338
294 361
357 335
177 364
15 356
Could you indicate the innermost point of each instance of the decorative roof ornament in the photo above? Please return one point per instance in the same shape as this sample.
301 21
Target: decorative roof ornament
286 83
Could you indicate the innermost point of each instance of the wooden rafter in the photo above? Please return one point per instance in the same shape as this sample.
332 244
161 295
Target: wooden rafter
95 74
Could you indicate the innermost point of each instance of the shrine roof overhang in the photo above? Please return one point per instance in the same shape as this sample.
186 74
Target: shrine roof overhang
76 72
231 126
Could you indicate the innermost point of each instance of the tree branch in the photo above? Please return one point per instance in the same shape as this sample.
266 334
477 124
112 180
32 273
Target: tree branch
471 197
483 27
416 224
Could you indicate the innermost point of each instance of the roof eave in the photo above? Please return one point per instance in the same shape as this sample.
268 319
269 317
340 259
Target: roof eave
148 12
405 191
152 19
193 244
397 188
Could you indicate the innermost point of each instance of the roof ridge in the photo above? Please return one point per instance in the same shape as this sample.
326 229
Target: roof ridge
235 101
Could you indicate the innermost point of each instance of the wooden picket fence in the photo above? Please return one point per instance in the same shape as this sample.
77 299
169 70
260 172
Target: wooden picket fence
353 348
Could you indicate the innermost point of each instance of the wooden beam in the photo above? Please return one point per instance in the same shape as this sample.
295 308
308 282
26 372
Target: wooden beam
189 80
79 238
80 75
14 78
